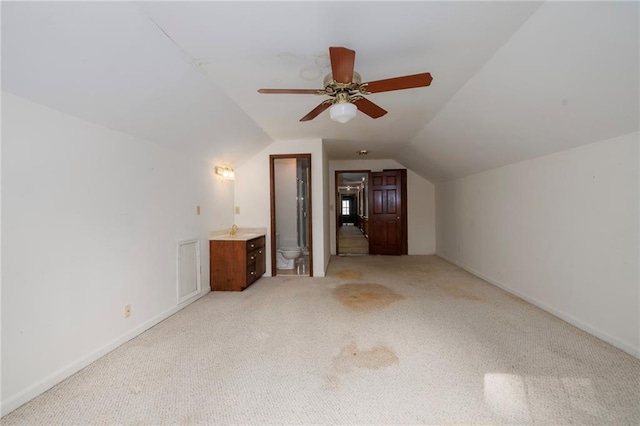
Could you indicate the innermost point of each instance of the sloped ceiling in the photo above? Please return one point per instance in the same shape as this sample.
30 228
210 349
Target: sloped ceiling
512 80
568 77
108 63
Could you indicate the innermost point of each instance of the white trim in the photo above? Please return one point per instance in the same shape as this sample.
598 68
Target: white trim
631 350
198 289
50 381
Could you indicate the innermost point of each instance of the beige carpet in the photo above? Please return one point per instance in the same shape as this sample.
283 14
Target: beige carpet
384 340
352 241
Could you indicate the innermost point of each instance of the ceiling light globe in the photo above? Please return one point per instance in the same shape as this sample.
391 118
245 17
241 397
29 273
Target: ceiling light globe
343 112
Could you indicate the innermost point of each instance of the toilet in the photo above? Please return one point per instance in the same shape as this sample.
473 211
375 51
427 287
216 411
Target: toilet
286 256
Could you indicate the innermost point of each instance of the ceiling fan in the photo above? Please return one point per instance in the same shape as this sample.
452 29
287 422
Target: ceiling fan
345 88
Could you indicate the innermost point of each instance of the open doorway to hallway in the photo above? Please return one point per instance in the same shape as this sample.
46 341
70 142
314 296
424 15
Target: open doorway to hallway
375 203
352 201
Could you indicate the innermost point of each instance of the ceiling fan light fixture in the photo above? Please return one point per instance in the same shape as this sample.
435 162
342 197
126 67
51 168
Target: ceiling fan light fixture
343 85
343 112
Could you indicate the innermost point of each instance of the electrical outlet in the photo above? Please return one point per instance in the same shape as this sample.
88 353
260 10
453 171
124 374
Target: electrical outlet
237 209
198 210
127 311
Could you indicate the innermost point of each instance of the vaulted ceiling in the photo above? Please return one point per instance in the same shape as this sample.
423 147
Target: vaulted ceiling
512 80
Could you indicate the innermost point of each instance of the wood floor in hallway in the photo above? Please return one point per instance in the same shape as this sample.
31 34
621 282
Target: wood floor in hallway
352 241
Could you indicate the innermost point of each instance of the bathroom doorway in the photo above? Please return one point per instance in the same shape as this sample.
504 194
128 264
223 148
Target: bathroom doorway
291 237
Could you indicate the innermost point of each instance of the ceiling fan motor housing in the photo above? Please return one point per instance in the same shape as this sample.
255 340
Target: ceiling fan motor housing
341 90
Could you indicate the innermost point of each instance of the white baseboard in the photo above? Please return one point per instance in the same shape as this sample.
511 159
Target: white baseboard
50 381
630 349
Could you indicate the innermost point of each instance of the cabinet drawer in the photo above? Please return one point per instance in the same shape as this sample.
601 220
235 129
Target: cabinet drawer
252 273
255 243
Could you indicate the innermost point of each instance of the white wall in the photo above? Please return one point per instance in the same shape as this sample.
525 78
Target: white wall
560 231
420 203
252 195
90 222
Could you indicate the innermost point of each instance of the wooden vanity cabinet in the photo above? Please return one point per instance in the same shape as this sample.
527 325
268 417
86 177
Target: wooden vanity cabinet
236 264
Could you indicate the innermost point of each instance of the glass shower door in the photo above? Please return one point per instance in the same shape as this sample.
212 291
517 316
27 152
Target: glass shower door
302 172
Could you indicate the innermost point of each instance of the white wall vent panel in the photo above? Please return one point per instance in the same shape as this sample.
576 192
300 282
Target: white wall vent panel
189 282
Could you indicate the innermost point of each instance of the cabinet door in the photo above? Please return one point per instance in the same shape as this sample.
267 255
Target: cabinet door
252 274
261 262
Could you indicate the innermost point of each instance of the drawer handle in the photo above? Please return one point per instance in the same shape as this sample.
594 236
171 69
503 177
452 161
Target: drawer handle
259 251
251 245
253 273
252 258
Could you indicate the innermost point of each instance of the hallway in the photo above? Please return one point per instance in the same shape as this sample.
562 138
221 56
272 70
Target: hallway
351 241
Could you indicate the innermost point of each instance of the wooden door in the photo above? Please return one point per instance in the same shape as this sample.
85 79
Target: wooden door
387 213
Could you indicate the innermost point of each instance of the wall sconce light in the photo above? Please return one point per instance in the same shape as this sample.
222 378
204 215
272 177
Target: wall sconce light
226 172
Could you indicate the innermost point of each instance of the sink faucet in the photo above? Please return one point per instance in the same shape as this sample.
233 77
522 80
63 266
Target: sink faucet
234 230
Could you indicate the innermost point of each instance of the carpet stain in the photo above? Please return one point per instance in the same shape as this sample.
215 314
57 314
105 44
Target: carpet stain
365 296
417 279
349 274
331 382
455 291
372 359
427 270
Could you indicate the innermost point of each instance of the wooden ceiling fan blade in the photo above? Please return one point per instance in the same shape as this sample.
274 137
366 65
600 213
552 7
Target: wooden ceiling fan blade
342 64
290 91
399 83
369 108
316 111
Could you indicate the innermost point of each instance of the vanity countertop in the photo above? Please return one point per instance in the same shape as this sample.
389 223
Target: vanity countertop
238 237
243 234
